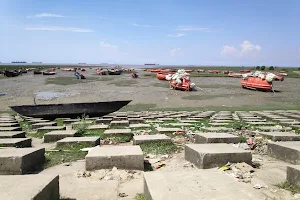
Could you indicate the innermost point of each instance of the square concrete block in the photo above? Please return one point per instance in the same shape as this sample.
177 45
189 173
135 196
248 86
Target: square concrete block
140 139
181 124
280 136
15 142
168 130
139 126
218 129
76 124
206 156
165 119
273 128
21 160
261 123
119 123
189 121
51 128
10 129
8 124
12 134
293 175
98 127
91 141
136 120
118 131
103 121
35 121
122 157
286 151
120 118
218 124
201 138
39 125
25 187
54 136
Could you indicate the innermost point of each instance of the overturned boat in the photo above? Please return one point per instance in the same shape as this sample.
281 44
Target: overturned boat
71 110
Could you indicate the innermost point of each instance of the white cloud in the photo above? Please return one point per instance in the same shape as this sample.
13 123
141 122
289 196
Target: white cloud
57 28
248 47
175 51
176 35
142 25
191 28
41 15
229 50
107 45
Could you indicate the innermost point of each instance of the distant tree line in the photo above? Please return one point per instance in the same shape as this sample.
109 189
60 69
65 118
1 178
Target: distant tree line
264 67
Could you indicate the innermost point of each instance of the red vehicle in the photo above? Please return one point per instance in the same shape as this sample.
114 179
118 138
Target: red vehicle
258 83
184 86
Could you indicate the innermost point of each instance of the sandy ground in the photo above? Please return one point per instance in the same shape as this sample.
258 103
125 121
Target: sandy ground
212 91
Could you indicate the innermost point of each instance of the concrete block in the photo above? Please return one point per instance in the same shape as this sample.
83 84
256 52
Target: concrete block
75 124
21 160
91 141
35 121
201 138
98 127
136 120
122 157
280 136
261 123
189 121
70 121
220 121
218 124
8 124
293 175
120 118
181 124
165 119
168 130
15 142
103 121
54 136
119 123
215 155
273 128
286 151
139 126
140 139
118 131
196 184
51 128
218 129
12 134
25 187
39 125
10 129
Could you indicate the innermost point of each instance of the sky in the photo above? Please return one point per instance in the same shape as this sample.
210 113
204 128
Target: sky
170 32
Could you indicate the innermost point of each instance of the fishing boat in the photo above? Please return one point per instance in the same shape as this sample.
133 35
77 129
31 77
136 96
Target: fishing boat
37 72
134 75
263 82
161 76
79 76
13 73
245 70
71 110
235 75
49 73
154 70
114 72
185 84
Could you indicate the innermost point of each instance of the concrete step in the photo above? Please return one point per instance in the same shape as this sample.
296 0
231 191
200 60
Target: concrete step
12 134
273 128
35 121
75 124
91 141
21 160
118 131
181 124
201 138
10 129
215 155
168 130
189 121
139 126
42 124
15 142
25 187
140 139
218 129
9 124
119 123
199 184
286 151
122 157
293 175
280 136
136 120
54 136
98 127
103 121
261 123
218 124
51 128
70 121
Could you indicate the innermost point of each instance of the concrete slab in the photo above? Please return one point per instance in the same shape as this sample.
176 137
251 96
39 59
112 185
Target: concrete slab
166 119
280 136
261 123
35 121
91 141
119 123
220 121
181 124
118 131
286 151
140 139
12 134
75 124
136 120
15 142
218 124
273 128
122 157
51 128
199 184
189 121
21 160
168 130
293 175
296 126
70 121
120 118
103 121
218 129
290 123
39 125
215 155
139 126
254 120
10 129
8 124
25 187
54 136
201 138
98 127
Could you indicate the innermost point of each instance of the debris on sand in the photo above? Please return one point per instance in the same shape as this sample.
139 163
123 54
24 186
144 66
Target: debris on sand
241 171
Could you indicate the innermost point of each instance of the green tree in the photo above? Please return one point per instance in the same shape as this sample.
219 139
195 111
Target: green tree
299 68
263 67
257 67
271 68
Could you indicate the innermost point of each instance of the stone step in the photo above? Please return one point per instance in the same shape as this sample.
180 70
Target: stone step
119 123
75 124
181 124
261 123
273 128
118 131
218 124
254 120
15 142
139 126
140 139
286 151
120 119
10 129
189 121
215 155
35 121
218 129
293 174
196 184
51 128
91 141
136 121
24 187
98 127
201 138
220 121
70 121
9 124
54 136
103 121
12 134
122 157
165 119
289 123
21 160
280 136
39 125
168 130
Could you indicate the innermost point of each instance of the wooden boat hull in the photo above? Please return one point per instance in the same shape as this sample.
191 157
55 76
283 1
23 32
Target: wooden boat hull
161 76
180 87
49 73
11 73
72 110
256 83
114 72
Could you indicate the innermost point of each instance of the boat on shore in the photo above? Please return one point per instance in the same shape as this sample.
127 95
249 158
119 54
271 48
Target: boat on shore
13 73
71 110
114 72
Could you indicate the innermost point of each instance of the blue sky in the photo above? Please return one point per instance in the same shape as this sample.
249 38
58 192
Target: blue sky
196 32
